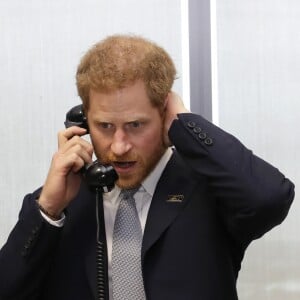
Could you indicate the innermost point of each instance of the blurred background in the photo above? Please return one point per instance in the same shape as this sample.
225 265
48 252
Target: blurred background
238 64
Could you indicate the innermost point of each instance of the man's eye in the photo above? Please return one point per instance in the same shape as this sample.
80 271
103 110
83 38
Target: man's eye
135 124
105 125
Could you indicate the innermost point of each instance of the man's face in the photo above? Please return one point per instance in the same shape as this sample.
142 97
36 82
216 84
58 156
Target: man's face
126 132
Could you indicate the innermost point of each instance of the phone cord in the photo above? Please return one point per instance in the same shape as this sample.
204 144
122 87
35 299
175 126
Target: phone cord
102 279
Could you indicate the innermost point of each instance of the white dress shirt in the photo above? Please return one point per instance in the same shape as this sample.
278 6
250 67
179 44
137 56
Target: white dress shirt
142 199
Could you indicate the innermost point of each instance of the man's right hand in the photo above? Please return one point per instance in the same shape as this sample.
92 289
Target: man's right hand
63 179
173 106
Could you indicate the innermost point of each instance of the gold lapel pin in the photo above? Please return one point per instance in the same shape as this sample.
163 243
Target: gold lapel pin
175 198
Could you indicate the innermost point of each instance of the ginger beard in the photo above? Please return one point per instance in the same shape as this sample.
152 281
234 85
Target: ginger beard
139 166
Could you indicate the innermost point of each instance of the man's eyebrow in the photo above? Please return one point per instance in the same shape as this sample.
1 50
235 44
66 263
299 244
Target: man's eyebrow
141 120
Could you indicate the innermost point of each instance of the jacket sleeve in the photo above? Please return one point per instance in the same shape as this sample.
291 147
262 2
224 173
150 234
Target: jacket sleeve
252 196
26 257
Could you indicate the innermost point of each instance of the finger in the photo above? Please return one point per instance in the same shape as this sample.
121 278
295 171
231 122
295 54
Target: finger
67 134
77 141
72 160
84 153
77 156
79 163
80 160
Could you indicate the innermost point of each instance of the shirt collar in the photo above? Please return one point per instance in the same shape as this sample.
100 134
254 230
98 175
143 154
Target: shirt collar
150 182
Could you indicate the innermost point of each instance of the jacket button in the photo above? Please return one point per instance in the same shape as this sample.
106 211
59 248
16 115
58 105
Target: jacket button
208 141
35 230
202 136
27 245
191 124
197 129
30 239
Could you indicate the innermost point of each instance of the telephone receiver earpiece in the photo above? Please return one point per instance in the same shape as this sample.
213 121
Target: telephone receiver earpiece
98 176
75 117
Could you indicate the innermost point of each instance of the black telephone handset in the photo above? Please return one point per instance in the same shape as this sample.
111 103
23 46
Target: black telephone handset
96 175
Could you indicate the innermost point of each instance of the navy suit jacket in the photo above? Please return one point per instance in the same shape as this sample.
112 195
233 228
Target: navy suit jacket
213 198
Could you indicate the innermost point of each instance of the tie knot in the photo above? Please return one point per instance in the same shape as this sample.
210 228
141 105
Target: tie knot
129 193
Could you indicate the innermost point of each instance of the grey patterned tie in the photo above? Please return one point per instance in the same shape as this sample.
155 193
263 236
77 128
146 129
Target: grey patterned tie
127 280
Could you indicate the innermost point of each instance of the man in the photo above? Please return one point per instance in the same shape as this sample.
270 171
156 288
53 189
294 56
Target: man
198 203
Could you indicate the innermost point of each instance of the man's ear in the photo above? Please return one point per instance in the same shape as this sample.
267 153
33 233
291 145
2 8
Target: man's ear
166 100
163 108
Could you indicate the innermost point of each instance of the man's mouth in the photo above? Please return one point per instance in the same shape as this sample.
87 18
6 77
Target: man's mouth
123 165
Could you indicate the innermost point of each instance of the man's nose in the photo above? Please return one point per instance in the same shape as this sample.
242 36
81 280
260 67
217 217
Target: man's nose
120 144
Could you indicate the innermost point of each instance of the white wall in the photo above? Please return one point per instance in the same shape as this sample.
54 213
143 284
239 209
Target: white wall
258 71
41 44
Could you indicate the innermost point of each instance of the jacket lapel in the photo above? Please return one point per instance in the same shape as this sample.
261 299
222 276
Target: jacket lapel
169 199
